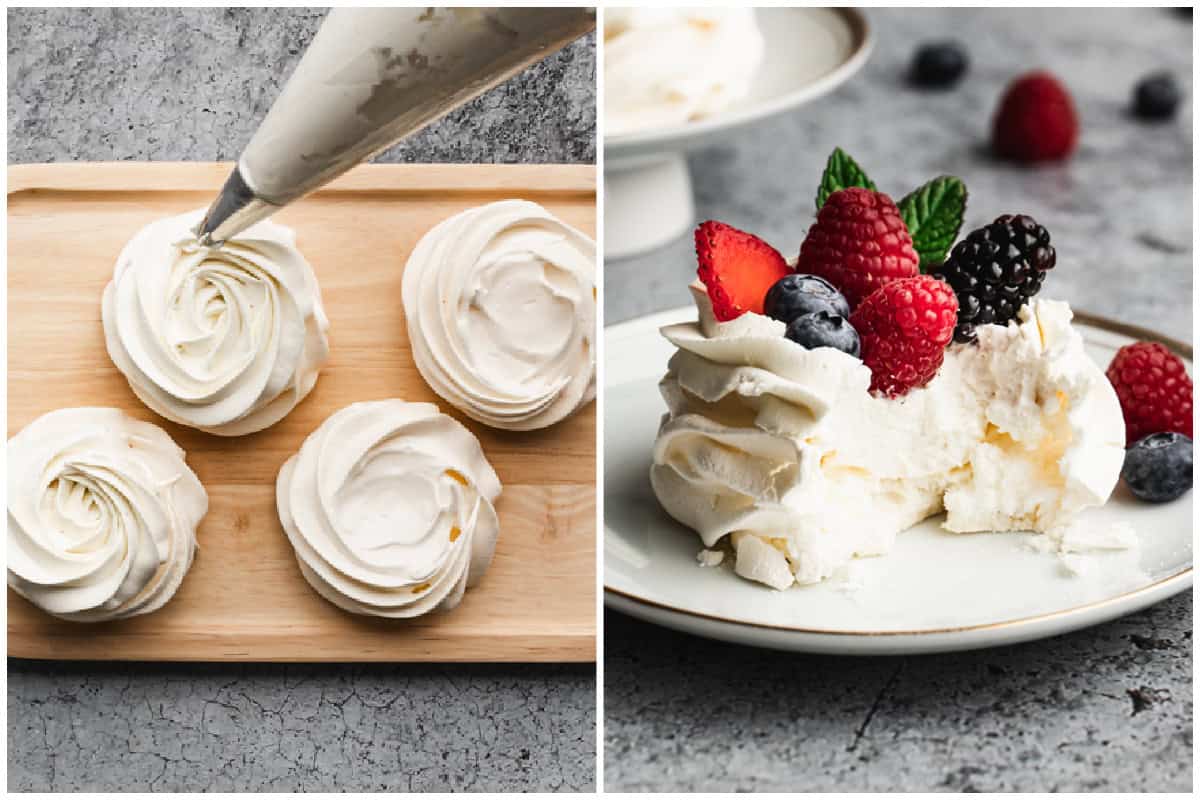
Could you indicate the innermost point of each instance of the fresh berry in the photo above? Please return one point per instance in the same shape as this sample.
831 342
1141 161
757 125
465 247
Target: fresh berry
796 295
1036 120
824 329
737 268
858 243
1156 97
905 327
996 270
1154 390
1158 467
938 65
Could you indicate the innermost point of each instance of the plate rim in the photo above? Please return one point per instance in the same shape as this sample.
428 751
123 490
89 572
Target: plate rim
1170 585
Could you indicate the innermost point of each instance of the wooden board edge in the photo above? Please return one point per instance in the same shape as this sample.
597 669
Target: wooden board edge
573 648
199 176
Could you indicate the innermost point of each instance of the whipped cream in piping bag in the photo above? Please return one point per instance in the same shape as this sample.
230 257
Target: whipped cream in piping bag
668 66
766 439
102 514
389 506
500 306
227 340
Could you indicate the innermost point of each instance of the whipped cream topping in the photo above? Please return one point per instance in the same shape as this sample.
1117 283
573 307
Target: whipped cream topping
102 514
766 440
500 303
389 506
224 339
669 66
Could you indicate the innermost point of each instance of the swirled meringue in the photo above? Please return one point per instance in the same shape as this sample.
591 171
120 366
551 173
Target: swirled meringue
500 303
668 66
102 514
224 339
784 450
389 506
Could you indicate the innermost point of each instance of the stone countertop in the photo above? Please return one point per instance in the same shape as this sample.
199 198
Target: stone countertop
161 84
1105 709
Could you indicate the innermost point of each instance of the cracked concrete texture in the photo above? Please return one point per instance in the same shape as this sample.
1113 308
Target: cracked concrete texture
1106 709
171 84
687 714
161 84
186 727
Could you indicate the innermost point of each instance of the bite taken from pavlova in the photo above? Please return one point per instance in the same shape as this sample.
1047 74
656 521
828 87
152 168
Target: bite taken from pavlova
818 408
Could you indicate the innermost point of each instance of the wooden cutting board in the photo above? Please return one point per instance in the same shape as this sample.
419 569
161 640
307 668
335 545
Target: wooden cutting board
244 598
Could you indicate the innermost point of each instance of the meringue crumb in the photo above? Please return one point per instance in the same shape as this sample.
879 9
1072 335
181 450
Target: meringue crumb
710 558
1078 537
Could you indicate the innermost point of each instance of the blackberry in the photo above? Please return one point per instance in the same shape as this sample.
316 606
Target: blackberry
996 270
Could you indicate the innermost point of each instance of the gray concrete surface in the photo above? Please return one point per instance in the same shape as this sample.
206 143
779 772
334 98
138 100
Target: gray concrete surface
1107 709
160 84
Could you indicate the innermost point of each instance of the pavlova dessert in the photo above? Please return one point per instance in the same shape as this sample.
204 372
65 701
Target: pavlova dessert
670 66
816 411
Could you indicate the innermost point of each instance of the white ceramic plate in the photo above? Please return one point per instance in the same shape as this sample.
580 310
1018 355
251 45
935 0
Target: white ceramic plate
934 592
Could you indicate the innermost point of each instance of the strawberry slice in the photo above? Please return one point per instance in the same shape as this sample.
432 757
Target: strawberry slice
737 268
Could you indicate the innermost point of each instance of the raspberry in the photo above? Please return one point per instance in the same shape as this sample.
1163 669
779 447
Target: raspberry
1154 390
1036 120
858 243
904 327
737 268
996 270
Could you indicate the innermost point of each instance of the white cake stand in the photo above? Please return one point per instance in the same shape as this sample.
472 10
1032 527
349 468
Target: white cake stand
647 188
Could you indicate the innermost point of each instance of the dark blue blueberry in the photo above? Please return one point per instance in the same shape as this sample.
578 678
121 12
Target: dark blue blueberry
795 295
938 65
1156 97
823 329
1158 467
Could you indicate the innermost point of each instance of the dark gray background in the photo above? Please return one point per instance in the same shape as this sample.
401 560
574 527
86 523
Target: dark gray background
164 84
684 713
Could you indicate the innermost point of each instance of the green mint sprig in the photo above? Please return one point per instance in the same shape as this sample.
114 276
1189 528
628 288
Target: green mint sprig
841 172
932 213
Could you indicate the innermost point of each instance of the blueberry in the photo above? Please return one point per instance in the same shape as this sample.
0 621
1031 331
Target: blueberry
795 295
823 329
938 65
1156 97
1158 467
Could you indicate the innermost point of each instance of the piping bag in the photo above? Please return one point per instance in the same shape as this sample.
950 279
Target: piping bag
371 77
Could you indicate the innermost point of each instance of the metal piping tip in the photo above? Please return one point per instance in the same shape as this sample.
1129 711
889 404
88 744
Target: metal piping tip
235 209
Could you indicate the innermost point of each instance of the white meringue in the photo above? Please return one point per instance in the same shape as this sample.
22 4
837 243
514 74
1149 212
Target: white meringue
767 440
669 66
389 506
227 340
102 514
500 303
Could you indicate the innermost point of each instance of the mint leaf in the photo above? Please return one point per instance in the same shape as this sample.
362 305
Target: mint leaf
934 215
841 173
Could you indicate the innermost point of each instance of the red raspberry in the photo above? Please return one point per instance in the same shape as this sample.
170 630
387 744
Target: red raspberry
737 268
1154 390
905 326
859 243
1036 120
